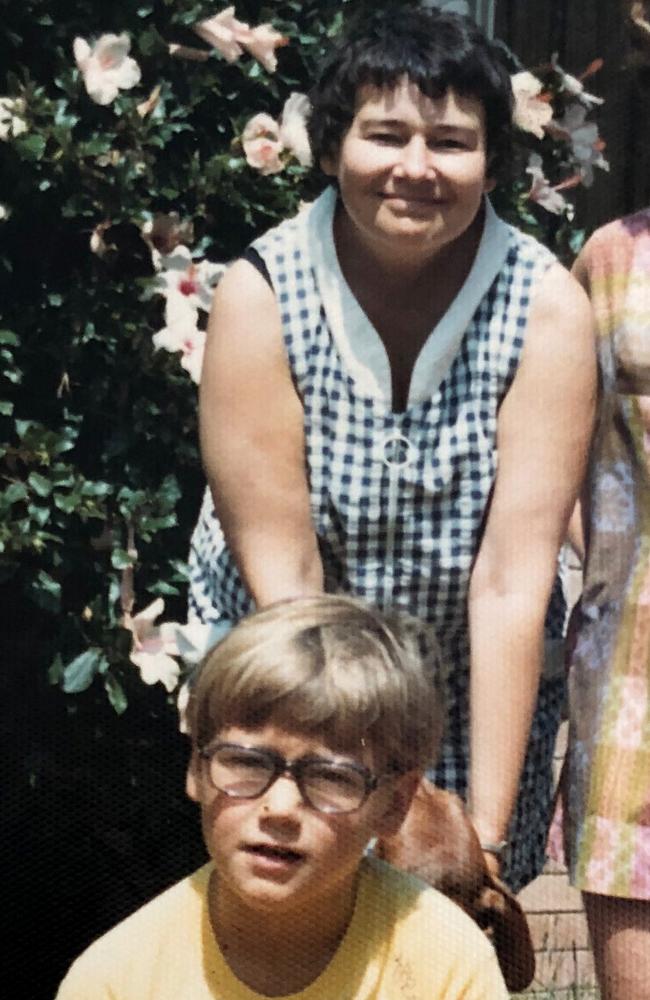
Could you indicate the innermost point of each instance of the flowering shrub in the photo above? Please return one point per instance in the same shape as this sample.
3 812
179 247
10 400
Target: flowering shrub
556 151
143 146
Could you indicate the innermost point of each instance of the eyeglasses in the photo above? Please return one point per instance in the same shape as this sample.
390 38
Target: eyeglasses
328 786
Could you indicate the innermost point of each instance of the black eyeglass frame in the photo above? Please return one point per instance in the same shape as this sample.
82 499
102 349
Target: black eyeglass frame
295 769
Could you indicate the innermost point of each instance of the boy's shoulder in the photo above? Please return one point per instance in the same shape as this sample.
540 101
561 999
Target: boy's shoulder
409 899
147 939
432 941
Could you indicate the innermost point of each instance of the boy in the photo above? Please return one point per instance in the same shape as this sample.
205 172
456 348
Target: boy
310 724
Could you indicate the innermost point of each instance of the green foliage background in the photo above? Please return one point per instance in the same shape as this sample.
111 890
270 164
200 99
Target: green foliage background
98 432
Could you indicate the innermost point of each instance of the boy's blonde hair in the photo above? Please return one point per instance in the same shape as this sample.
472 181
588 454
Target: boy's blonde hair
330 666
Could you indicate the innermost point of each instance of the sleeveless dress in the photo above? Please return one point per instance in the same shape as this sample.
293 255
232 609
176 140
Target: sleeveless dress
606 780
398 499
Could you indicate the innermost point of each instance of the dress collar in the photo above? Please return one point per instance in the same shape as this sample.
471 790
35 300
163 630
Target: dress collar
360 347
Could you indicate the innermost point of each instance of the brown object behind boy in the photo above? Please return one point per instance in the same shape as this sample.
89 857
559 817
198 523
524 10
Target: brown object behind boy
438 843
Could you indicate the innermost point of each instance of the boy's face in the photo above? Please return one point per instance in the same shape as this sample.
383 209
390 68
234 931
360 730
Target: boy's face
277 853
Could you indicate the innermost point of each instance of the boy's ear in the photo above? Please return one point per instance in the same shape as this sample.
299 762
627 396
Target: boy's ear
192 778
401 795
489 185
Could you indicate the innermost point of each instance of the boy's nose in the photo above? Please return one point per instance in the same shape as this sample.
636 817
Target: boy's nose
282 798
416 160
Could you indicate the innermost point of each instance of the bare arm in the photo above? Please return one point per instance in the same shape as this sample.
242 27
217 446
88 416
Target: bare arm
543 435
252 442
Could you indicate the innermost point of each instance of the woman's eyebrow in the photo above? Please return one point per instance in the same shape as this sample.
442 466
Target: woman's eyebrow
433 125
382 122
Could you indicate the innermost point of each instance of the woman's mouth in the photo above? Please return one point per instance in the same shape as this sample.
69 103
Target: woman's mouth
423 201
422 208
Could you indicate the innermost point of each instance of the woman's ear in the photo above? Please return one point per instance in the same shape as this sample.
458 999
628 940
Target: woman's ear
490 184
329 164
401 792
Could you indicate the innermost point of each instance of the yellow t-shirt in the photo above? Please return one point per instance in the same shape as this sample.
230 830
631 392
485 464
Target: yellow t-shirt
405 942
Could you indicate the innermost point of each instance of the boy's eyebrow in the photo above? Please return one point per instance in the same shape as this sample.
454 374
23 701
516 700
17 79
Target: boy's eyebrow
330 756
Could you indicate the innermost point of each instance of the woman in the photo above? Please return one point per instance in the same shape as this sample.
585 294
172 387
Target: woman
395 388
607 776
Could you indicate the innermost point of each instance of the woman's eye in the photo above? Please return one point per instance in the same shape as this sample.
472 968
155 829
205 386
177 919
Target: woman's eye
385 138
448 144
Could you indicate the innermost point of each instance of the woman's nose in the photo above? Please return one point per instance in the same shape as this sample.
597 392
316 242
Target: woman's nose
416 160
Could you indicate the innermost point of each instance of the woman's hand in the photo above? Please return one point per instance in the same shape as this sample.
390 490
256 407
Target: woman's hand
252 442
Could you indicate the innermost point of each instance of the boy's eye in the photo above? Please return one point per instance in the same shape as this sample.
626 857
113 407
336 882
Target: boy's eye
329 775
241 759
328 772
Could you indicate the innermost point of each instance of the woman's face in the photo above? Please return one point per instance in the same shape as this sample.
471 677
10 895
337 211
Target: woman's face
411 169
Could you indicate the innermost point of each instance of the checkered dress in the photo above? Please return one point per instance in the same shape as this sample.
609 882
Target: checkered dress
398 499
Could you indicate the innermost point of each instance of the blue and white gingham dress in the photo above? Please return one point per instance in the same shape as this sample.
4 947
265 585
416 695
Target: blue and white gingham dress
398 499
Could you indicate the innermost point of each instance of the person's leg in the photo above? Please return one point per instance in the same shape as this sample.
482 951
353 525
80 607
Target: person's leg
620 937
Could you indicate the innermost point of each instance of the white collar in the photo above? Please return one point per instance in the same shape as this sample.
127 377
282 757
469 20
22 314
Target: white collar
361 349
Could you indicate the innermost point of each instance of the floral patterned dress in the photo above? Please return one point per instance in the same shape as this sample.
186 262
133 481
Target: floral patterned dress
607 774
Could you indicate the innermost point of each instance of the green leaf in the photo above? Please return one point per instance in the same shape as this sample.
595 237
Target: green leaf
30 147
116 694
66 502
181 569
6 408
576 239
40 485
163 589
56 670
169 492
80 672
46 592
39 514
15 492
9 337
96 488
120 559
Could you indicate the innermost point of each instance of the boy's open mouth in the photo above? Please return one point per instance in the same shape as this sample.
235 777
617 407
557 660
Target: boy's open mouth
274 852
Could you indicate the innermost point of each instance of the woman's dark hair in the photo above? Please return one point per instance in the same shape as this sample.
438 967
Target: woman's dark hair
436 50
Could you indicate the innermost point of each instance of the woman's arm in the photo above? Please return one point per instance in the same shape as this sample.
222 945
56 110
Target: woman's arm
543 435
252 442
